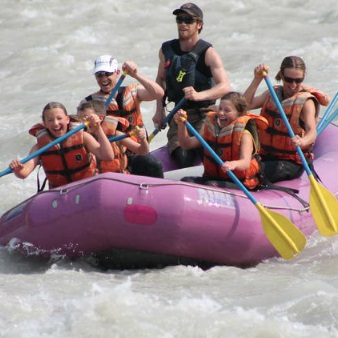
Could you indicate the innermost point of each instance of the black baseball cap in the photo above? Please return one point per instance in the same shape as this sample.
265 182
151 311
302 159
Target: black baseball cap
191 9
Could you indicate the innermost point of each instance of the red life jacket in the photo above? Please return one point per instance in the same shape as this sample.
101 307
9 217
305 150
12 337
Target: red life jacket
120 162
126 105
275 140
66 162
226 143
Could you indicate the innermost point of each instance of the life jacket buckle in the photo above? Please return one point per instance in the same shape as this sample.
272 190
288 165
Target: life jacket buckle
180 76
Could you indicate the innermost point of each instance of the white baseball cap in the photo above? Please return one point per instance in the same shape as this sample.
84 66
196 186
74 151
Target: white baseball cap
105 63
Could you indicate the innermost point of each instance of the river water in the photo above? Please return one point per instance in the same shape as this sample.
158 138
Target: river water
47 51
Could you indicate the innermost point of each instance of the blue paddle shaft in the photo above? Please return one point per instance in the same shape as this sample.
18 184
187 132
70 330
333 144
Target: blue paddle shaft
114 91
118 138
173 112
168 117
321 128
328 111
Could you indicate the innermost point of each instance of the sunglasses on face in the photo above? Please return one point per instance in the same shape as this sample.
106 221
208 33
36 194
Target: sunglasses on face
102 74
186 19
290 79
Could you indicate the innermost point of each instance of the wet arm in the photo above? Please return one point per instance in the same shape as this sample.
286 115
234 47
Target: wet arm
185 140
220 76
150 90
256 101
246 150
160 80
141 148
100 148
23 170
308 117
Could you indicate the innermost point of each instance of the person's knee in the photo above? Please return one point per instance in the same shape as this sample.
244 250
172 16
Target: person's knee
276 171
147 166
184 157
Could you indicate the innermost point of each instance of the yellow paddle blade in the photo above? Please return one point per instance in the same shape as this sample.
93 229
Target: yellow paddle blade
287 239
324 208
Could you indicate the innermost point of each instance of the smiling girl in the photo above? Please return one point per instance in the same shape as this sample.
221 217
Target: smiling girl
70 160
232 133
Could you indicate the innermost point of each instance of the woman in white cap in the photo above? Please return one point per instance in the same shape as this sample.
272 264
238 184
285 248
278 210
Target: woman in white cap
126 102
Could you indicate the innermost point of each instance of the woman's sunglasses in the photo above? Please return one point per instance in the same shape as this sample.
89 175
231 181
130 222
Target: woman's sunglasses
101 74
186 19
290 79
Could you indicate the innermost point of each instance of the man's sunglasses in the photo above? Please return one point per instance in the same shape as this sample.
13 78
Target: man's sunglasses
102 74
290 79
186 19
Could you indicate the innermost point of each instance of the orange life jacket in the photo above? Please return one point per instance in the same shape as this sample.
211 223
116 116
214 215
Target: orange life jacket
66 162
275 140
226 143
126 105
322 98
120 162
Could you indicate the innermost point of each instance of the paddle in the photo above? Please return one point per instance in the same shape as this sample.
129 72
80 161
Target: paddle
327 122
167 118
287 239
46 147
323 204
118 138
115 89
121 137
323 121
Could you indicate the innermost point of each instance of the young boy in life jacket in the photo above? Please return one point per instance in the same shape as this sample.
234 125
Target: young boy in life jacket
70 160
142 163
232 133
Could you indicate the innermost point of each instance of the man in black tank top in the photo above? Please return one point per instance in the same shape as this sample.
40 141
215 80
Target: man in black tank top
189 67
